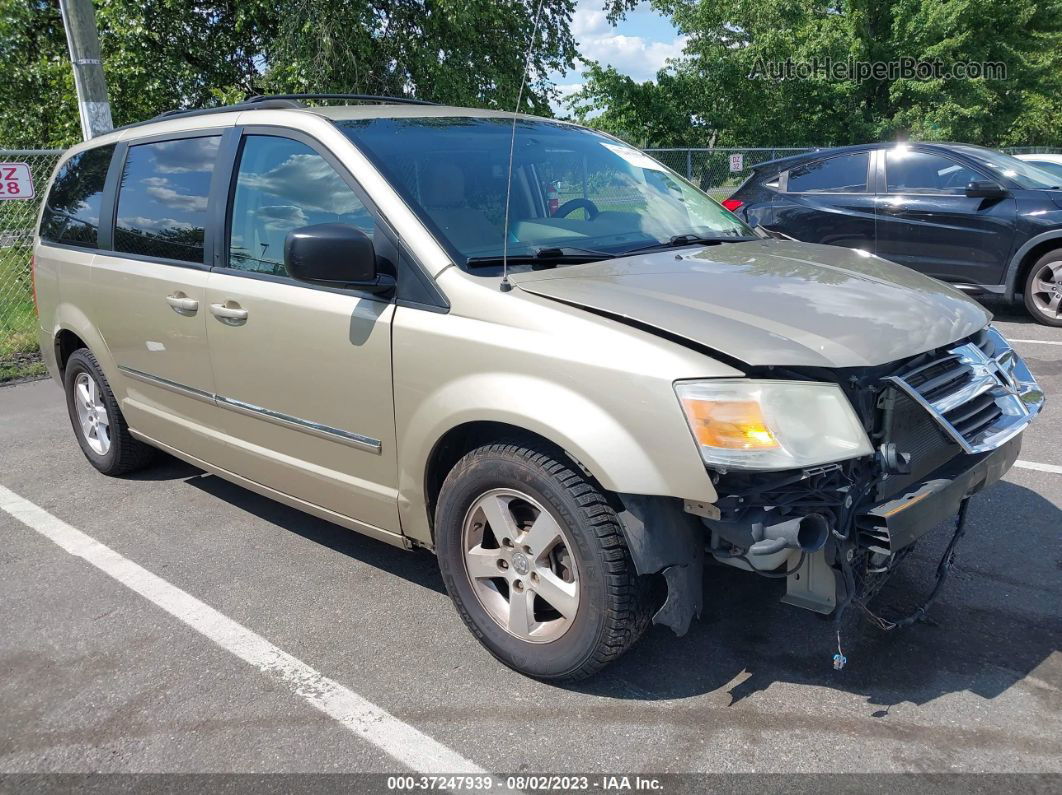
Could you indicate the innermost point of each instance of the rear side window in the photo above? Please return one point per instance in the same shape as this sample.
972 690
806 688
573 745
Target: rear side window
841 174
921 172
162 201
72 212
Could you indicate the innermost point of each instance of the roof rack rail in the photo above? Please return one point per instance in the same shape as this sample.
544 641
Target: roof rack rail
274 102
358 97
246 105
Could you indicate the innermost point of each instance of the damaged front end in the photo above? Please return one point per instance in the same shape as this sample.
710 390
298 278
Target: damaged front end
942 425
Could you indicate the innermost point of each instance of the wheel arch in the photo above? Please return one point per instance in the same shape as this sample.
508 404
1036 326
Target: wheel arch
65 343
462 439
1023 260
72 330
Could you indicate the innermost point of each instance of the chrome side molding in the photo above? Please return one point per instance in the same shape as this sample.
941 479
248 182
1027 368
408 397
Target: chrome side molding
299 424
165 383
349 438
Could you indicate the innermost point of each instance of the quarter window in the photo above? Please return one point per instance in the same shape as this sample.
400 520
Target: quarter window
162 202
841 174
282 185
72 211
907 171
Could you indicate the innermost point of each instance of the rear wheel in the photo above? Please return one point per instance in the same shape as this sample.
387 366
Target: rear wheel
1043 289
536 563
98 423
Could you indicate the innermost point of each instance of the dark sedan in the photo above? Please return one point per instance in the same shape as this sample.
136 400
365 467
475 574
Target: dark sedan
982 220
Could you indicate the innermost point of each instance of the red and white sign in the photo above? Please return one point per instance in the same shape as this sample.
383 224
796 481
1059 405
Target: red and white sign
737 162
16 181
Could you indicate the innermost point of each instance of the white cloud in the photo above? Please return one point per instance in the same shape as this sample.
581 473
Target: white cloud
639 56
567 89
305 180
186 155
589 20
176 200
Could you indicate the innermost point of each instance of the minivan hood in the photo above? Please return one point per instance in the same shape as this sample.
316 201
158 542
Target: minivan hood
773 302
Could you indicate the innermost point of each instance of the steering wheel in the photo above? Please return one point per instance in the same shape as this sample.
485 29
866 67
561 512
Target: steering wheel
574 204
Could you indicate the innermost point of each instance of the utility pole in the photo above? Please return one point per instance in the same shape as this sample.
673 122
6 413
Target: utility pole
79 19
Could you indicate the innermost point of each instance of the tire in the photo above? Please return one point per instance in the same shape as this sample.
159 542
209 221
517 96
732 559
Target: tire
585 604
92 407
1043 289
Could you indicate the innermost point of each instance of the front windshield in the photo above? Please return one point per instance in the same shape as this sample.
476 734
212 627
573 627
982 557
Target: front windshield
572 188
1025 174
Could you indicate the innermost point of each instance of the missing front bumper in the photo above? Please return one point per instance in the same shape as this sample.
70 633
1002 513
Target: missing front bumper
899 521
893 524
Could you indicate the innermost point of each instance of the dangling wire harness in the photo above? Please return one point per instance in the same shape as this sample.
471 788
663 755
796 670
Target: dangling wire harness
946 562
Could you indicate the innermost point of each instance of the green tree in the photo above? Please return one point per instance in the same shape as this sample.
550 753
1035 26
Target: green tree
158 55
468 52
644 114
721 90
37 104
164 54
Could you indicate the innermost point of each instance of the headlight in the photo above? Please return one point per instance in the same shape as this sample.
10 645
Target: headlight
771 424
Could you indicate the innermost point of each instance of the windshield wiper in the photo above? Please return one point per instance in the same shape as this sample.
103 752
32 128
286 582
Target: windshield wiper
546 256
688 240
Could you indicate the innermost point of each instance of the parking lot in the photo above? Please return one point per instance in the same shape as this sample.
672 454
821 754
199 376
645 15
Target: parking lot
217 631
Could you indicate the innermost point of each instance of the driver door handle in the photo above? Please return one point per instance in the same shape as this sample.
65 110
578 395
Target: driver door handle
230 312
182 304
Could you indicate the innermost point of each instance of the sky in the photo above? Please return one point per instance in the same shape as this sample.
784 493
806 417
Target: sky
638 46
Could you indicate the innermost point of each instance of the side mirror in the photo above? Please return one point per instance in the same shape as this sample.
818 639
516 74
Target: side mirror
334 255
985 189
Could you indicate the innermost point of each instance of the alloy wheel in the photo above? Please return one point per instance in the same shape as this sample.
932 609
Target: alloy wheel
1046 289
92 414
519 561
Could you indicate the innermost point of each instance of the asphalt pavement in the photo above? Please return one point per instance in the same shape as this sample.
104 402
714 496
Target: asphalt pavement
106 667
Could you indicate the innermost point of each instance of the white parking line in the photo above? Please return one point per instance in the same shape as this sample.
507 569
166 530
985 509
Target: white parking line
1038 342
1038 466
395 738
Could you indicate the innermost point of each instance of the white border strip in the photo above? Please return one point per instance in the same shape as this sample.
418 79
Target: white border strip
1037 342
395 738
1038 467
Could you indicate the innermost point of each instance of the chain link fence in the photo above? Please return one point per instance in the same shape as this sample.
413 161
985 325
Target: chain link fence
719 171
18 338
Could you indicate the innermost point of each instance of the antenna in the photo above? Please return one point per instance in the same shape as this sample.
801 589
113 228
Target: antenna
506 286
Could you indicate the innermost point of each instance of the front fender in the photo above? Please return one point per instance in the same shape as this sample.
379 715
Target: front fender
663 463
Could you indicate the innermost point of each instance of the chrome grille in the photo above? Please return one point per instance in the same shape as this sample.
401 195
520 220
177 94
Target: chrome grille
980 392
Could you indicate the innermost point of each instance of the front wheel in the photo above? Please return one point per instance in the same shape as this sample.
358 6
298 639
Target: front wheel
535 561
1043 289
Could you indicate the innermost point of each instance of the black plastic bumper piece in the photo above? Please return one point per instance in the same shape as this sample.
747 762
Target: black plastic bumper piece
900 521
664 539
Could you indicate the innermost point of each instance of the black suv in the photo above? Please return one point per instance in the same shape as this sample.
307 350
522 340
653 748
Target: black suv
982 220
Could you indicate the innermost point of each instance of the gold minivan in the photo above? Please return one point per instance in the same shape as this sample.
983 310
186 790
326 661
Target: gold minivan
519 343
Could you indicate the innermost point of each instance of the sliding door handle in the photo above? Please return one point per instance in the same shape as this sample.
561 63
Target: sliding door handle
182 304
229 312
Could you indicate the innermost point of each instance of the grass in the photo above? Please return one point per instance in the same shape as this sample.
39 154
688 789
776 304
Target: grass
19 357
16 371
